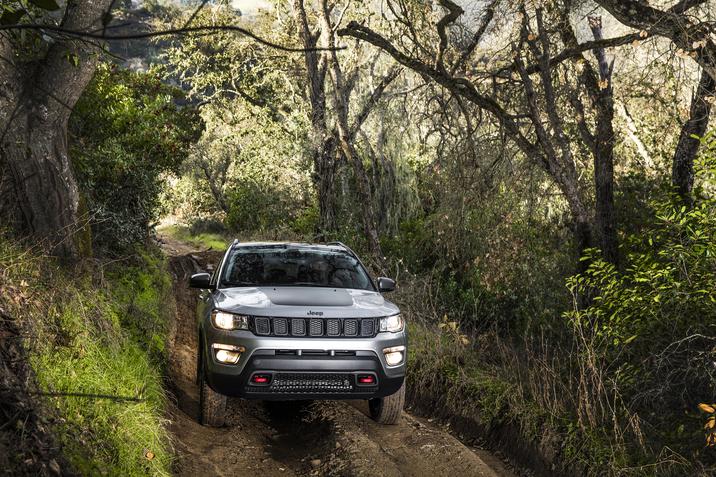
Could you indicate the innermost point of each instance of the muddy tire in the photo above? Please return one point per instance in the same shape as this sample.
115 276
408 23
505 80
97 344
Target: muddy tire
387 410
212 405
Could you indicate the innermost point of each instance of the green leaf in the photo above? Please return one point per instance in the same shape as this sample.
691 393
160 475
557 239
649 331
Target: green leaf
73 59
49 5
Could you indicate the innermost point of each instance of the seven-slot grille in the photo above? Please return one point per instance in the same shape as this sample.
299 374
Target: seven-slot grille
314 327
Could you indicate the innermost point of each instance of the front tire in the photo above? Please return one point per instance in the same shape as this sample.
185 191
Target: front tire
212 405
387 410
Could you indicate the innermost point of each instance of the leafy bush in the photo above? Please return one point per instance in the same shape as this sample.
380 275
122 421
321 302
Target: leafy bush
651 325
127 131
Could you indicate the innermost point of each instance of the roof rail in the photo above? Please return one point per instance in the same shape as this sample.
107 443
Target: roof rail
235 242
337 243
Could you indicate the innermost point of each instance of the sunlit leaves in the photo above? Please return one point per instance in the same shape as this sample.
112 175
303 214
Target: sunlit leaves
654 316
710 425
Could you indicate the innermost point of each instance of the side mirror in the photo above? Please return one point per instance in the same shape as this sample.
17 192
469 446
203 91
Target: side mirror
386 284
200 280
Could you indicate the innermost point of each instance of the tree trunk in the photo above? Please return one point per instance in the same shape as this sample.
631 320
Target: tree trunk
45 190
366 202
603 97
324 147
324 165
37 104
682 172
341 93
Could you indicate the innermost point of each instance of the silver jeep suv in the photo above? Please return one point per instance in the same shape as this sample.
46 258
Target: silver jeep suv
284 321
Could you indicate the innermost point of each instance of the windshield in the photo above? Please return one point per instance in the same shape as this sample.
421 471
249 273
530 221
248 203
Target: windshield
294 266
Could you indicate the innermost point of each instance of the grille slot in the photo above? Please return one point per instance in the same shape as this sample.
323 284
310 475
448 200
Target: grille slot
280 326
350 327
367 327
333 327
262 326
298 327
315 327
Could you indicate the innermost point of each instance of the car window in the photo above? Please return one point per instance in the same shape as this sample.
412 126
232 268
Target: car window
294 266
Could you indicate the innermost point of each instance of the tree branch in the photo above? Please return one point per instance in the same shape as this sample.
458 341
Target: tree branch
72 33
374 98
454 11
690 36
457 86
484 23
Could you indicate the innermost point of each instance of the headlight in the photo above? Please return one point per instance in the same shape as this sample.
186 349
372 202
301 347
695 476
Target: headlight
391 323
229 321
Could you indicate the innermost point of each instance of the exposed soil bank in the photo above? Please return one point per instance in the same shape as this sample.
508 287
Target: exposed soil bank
504 439
298 438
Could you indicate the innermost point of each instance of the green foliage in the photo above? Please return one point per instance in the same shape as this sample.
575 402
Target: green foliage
200 240
127 131
652 322
101 335
259 206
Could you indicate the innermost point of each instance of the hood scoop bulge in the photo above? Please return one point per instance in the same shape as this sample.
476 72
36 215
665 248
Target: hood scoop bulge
300 296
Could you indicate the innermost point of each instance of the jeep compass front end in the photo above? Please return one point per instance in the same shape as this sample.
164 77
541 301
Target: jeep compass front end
284 321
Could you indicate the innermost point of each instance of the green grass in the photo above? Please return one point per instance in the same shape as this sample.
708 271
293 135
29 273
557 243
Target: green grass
104 338
466 383
204 240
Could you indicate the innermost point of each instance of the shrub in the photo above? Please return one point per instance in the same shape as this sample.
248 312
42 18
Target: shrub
126 131
647 339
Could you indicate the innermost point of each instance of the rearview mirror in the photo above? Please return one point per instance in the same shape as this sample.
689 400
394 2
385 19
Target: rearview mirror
201 280
386 284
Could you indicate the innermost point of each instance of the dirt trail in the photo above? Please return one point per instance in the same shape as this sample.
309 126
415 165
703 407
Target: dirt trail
296 438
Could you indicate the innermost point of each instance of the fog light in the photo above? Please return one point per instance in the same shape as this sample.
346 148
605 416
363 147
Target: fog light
366 379
394 355
260 378
227 354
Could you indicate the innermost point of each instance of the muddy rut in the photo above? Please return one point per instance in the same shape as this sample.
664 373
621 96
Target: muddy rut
296 438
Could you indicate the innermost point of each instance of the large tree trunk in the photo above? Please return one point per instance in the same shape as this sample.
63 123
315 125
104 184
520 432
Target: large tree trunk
45 190
682 172
324 166
603 97
37 103
323 142
341 93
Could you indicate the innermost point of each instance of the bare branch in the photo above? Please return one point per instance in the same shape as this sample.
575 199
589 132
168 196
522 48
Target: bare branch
374 98
454 11
168 32
685 5
691 36
457 86
484 23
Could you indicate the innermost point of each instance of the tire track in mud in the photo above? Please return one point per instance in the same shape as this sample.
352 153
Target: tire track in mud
332 438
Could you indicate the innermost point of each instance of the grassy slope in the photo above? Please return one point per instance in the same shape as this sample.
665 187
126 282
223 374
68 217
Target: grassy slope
465 381
96 331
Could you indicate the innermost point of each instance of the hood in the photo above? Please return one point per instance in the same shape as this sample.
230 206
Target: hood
300 302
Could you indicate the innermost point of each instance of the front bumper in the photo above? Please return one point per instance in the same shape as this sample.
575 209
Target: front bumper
308 368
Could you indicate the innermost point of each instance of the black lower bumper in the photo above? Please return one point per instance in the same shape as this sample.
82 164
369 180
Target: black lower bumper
301 377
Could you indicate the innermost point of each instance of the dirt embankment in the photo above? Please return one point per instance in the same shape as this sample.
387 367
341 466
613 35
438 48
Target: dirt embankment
331 438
